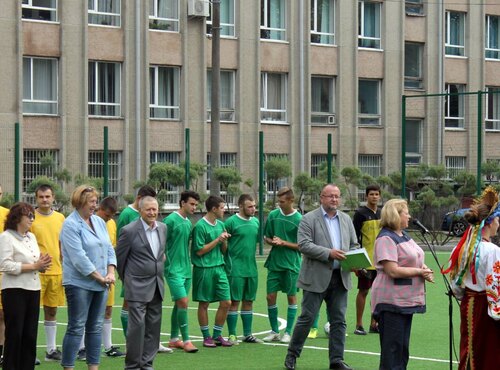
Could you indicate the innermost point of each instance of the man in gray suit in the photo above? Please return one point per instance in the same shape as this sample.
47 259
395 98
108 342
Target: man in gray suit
140 254
324 236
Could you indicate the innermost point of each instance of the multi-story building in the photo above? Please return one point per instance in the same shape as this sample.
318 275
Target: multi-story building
296 70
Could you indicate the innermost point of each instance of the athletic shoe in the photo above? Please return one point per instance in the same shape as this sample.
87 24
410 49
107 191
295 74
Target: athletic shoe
273 337
113 352
176 344
37 362
163 349
54 355
360 330
209 342
190 348
251 339
285 338
82 355
220 341
1 360
327 328
374 329
313 333
233 340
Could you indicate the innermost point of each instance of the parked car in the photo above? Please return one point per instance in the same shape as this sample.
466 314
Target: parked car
454 222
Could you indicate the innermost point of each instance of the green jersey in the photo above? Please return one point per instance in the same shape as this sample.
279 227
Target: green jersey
284 227
242 246
178 234
128 215
203 233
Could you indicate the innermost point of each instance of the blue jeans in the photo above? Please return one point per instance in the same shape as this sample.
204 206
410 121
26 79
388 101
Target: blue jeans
85 315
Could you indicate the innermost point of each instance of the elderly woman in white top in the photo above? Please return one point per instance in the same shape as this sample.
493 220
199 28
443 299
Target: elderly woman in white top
20 261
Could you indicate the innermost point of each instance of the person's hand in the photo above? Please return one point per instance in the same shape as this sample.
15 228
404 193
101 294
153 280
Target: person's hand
43 263
337 254
277 241
428 274
110 278
223 237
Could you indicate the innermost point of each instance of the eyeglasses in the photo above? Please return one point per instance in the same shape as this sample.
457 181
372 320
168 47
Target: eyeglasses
88 190
331 196
31 216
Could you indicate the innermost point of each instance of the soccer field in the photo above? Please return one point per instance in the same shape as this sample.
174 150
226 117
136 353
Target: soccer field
428 346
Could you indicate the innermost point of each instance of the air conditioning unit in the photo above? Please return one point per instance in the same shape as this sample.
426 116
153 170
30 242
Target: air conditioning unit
198 8
331 120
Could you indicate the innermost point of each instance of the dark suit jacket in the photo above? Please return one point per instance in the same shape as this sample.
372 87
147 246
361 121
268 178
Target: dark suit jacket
315 245
140 271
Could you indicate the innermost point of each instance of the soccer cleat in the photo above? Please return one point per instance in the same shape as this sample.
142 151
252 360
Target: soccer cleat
37 362
190 348
327 328
54 355
113 352
209 342
374 329
313 333
82 355
360 330
272 337
233 340
251 339
220 341
163 349
176 344
285 338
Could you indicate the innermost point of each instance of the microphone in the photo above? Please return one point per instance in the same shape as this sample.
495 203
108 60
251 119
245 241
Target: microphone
420 226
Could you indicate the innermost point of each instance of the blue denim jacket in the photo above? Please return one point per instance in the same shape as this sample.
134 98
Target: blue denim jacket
85 251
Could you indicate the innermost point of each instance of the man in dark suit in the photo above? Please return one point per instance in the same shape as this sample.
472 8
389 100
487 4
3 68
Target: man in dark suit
141 257
324 236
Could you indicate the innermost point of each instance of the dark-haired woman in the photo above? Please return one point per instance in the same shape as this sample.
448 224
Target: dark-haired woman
20 261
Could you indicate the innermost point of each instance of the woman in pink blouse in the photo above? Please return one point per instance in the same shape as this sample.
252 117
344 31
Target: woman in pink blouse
398 290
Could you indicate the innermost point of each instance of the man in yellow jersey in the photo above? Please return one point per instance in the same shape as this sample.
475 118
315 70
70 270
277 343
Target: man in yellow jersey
46 227
3 215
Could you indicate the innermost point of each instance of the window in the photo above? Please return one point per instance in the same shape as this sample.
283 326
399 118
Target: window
323 21
273 97
413 65
369 25
493 109
104 89
492 37
369 102
173 192
272 185
455 34
454 165
40 10
454 106
370 164
104 12
414 7
319 163
272 19
322 100
96 169
164 92
226 18
225 160
39 86
226 97
164 15
413 141
36 162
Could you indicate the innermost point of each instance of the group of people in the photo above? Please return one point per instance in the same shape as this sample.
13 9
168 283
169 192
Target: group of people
46 258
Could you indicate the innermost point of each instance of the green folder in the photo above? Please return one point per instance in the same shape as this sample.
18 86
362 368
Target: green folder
356 259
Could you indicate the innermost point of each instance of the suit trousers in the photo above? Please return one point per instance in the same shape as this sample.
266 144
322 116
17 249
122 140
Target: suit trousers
143 334
335 297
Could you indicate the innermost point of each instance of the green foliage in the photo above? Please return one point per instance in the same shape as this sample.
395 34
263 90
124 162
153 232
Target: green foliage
163 174
196 171
490 169
227 176
61 198
129 198
7 200
96 182
307 188
466 182
277 169
323 172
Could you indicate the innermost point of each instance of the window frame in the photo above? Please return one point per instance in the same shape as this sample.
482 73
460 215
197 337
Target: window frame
488 50
414 82
99 103
224 111
330 116
31 101
280 183
154 105
448 45
115 163
266 31
414 7
361 26
375 169
227 29
414 154
492 123
452 169
32 168
173 192
264 98
316 35
28 6
460 119
155 22
94 12
365 118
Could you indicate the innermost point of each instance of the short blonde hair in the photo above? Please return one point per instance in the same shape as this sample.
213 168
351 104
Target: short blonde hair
390 215
82 194
286 192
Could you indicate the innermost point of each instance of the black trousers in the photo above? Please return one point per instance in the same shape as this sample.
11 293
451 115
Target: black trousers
21 308
395 331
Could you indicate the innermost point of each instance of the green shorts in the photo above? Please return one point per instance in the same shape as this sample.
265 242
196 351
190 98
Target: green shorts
210 284
179 287
285 281
243 288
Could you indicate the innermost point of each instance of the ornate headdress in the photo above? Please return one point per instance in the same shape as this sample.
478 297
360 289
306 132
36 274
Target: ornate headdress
465 256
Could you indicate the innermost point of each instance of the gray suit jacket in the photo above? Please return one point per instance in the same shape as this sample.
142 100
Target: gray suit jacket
315 245
140 271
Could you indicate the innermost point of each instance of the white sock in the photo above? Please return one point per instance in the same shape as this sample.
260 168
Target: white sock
82 342
106 334
50 334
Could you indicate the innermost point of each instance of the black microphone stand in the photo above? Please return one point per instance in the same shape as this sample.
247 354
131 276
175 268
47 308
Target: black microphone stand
449 291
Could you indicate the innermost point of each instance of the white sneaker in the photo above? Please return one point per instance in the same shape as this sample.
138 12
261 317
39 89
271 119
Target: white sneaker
285 338
327 328
272 337
163 349
233 339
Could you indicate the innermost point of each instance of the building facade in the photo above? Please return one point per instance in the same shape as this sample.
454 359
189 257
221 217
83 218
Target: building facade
295 70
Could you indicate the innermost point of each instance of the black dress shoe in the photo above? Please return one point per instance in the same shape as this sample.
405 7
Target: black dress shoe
290 362
341 365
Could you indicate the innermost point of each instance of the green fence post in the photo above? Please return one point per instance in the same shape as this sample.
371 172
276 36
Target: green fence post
187 162
329 159
261 193
17 161
105 184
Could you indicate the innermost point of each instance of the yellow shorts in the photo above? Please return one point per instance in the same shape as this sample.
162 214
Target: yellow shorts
52 294
111 296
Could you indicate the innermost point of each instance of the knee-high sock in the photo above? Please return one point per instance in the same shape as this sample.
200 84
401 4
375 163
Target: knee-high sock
247 318
182 321
124 319
272 312
50 334
217 330
290 317
174 324
232 321
316 322
106 334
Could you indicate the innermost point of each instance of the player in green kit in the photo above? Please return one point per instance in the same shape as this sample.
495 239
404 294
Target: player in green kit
210 282
178 268
241 267
283 262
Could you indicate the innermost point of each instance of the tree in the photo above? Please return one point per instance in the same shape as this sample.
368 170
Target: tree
306 187
61 198
230 179
196 171
490 169
277 169
352 177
